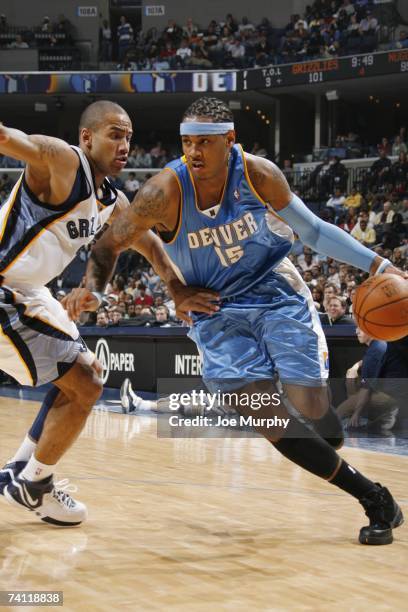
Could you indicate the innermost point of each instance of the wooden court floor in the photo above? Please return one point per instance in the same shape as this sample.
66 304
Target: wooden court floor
200 525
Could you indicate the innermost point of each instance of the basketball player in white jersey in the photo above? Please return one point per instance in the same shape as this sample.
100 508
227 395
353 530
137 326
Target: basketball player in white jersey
61 201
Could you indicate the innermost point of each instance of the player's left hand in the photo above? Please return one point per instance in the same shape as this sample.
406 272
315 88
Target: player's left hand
80 300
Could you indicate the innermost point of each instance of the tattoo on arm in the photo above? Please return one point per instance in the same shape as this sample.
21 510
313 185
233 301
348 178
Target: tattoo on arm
47 151
148 208
150 202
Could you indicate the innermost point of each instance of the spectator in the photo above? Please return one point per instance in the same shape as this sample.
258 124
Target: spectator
402 42
173 32
399 172
398 146
369 24
102 319
143 298
317 295
336 312
329 291
125 38
190 29
18 43
246 26
395 233
364 234
364 216
363 395
347 7
379 171
162 317
385 215
131 185
236 51
231 23
333 275
157 153
259 150
183 53
46 25
262 52
337 201
143 159
115 317
307 260
351 219
288 170
4 26
354 199
384 146
404 210
105 42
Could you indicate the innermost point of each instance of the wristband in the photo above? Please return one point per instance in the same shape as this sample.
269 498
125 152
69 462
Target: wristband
384 264
98 295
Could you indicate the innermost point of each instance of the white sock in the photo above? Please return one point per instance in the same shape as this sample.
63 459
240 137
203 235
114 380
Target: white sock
141 404
35 470
25 451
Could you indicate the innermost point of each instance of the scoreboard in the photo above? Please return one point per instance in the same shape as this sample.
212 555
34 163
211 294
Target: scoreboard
203 81
323 70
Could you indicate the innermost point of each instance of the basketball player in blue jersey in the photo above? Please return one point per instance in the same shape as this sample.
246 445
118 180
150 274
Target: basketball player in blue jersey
61 201
226 219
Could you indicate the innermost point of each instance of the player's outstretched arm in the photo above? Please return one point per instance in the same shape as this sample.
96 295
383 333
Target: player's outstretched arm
49 161
323 237
34 149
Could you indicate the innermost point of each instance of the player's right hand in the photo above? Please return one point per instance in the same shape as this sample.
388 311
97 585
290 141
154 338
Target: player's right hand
79 300
194 299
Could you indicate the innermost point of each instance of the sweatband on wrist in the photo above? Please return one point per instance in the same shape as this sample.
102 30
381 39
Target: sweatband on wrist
324 237
200 128
384 264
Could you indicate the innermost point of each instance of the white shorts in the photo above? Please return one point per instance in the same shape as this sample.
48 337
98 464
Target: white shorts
38 341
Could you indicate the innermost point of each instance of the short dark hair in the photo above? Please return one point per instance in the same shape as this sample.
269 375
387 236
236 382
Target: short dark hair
213 108
95 113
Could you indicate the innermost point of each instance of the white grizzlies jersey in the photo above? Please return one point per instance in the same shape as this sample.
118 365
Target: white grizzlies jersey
37 240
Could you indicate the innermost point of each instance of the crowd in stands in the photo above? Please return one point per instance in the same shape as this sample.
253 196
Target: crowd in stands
329 28
53 38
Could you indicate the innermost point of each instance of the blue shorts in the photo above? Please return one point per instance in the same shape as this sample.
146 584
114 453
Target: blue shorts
273 329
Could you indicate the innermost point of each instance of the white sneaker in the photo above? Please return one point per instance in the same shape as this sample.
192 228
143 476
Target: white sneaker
51 503
131 402
125 396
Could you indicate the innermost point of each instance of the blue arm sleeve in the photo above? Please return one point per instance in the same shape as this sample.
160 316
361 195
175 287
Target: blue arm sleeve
325 238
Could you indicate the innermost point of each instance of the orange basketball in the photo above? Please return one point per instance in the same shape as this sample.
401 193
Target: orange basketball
380 307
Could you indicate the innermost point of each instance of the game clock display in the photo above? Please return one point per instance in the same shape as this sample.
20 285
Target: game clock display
324 70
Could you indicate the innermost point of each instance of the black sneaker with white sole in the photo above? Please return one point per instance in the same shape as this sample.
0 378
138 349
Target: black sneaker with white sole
384 514
51 504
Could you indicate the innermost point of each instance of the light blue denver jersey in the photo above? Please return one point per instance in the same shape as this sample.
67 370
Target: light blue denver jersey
233 250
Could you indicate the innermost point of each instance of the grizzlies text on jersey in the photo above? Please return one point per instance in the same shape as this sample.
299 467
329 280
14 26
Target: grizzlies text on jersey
38 341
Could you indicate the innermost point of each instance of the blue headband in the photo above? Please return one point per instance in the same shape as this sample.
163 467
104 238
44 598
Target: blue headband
198 128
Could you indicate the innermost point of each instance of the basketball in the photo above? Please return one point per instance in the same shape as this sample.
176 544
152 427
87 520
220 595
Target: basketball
380 307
